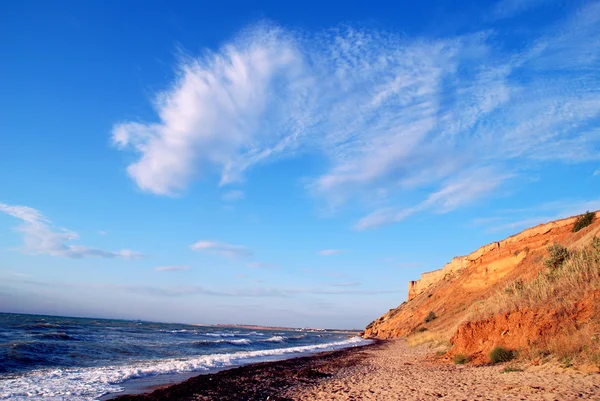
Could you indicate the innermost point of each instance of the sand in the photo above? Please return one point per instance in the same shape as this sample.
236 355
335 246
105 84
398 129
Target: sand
388 370
395 371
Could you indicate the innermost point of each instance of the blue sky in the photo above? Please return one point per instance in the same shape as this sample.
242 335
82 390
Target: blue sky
281 164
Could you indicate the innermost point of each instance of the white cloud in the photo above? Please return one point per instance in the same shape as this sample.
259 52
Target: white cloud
232 196
212 114
596 173
171 268
40 237
222 249
102 232
390 114
329 252
454 193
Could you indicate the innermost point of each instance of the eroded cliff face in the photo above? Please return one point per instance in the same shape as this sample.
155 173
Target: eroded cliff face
453 291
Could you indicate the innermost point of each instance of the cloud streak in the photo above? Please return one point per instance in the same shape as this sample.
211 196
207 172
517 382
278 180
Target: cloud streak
517 219
329 252
390 114
222 249
190 290
232 196
41 238
171 268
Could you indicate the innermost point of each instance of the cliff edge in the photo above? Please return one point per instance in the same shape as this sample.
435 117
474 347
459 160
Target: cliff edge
458 300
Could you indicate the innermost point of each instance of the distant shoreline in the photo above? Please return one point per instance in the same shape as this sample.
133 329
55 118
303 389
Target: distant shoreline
274 328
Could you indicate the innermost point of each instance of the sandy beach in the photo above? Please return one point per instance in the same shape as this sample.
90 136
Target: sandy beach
387 370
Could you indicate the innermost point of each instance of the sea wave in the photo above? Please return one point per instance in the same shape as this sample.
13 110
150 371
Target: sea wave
219 334
57 336
85 384
275 339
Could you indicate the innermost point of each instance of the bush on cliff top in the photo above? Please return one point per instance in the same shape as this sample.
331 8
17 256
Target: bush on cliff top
584 220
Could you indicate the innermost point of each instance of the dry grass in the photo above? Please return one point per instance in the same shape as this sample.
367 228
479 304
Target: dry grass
433 338
558 286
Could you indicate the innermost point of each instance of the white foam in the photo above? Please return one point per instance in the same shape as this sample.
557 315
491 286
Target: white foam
85 384
219 334
276 339
240 341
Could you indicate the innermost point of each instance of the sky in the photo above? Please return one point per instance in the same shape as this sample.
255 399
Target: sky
281 164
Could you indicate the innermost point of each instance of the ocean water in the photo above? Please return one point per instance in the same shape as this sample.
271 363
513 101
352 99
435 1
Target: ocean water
61 358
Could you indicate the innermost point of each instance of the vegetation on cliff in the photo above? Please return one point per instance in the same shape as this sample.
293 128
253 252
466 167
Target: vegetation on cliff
535 294
583 221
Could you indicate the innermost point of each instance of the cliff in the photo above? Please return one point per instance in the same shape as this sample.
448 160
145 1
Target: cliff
459 293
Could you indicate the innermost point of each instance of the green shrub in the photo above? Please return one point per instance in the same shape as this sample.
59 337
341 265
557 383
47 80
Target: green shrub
431 316
566 361
500 354
557 255
460 359
583 221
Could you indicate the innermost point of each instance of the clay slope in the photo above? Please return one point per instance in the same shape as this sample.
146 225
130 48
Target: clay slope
459 293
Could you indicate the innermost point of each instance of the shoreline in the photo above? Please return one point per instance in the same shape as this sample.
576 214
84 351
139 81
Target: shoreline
383 370
253 381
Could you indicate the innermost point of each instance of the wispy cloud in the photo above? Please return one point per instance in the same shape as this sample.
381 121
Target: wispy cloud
222 249
232 196
41 237
345 284
262 265
390 114
518 219
190 290
171 268
596 173
102 232
329 252
455 193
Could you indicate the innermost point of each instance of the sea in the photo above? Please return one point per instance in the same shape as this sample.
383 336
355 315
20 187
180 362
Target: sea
65 358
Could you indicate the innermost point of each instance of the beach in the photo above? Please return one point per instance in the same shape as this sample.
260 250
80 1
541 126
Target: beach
384 370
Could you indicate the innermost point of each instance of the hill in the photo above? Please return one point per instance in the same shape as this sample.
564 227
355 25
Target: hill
535 292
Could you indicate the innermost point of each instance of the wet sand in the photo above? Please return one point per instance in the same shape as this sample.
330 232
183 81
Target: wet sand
388 370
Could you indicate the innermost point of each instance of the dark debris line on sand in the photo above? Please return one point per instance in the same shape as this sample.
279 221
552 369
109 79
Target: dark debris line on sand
259 381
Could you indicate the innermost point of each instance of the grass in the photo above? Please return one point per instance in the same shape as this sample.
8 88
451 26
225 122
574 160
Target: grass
566 361
557 255
500 354
460 359
568 277
511 368
434 339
